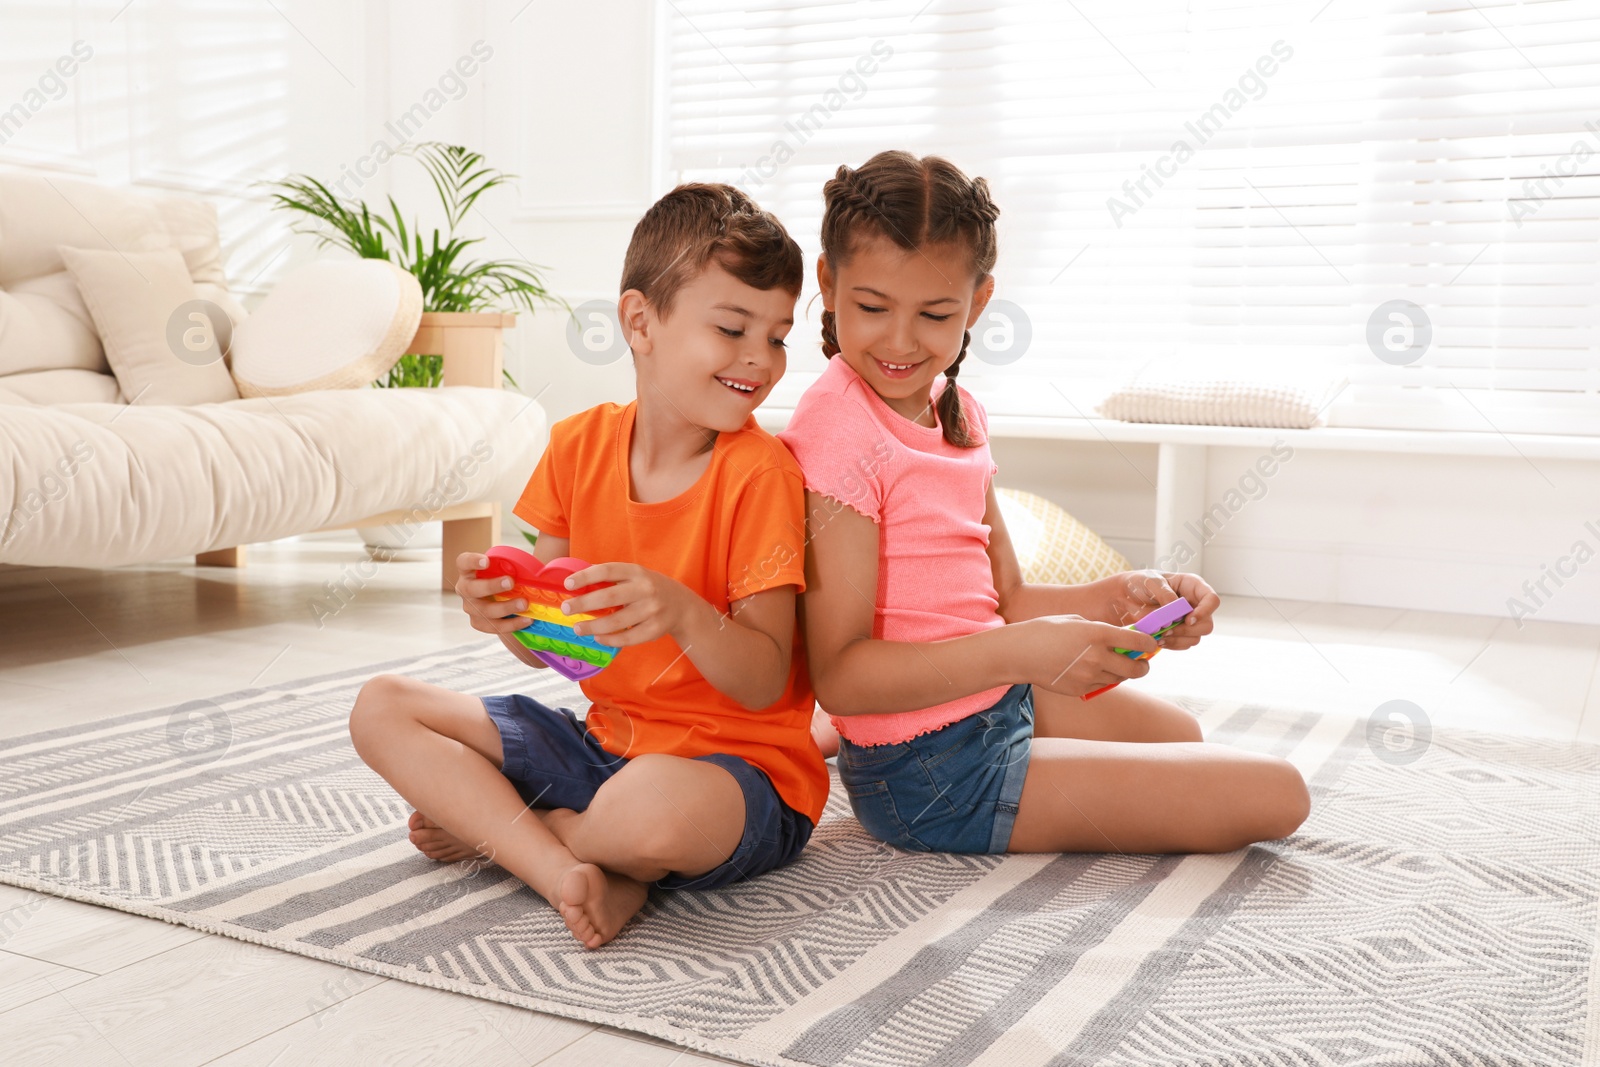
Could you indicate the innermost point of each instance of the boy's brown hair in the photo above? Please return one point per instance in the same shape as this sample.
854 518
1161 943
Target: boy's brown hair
699 223
913 203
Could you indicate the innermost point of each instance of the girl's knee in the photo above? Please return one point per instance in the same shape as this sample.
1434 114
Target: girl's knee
1293 801
1281 802
1274 806
1184 726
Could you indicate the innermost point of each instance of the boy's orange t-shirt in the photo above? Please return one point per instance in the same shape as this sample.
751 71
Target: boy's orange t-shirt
738 530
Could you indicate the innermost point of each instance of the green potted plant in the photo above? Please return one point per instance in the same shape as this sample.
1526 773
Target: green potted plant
452 282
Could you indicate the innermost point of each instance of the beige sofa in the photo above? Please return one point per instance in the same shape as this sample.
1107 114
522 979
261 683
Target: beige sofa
87 479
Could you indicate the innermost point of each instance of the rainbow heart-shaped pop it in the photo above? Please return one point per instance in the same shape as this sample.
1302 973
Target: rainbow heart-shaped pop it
550 635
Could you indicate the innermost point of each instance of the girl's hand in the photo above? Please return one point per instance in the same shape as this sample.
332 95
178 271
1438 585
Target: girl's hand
1204 600
1135 594
1071 655
1132 595
649 604
487 614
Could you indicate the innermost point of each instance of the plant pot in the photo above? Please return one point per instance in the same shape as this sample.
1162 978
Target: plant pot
396 539
469 341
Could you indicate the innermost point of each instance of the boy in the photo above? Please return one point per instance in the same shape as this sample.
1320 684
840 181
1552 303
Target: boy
695 766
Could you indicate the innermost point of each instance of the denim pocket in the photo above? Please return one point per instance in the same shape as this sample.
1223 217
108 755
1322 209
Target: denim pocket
948 742
853 755
875 810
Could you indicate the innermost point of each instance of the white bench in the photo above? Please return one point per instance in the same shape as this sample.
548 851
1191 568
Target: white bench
1181 459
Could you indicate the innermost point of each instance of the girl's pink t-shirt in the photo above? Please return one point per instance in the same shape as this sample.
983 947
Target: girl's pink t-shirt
928 498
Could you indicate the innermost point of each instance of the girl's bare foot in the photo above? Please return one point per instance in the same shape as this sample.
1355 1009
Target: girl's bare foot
437 843
823 733
597 904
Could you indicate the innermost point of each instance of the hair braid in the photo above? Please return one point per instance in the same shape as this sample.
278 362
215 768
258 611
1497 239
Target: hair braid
952 414
830 335
978 207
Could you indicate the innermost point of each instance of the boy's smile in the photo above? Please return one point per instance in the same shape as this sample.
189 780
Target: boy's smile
739 385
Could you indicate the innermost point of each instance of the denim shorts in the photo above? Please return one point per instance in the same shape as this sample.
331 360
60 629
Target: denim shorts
554 762
956 789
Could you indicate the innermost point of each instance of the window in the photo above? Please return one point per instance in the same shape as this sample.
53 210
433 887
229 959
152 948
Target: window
1403 193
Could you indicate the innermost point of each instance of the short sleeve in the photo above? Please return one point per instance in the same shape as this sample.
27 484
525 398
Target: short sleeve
545 500
767 540
842 451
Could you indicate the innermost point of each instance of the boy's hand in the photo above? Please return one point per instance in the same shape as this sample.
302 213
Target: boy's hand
1073 655
1205 601
487 614
648 603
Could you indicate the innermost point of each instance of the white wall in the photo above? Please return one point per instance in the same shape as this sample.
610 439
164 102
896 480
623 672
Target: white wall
188 97
210 98
1434 533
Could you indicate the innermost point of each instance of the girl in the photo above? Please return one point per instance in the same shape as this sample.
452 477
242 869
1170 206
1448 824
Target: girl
954 685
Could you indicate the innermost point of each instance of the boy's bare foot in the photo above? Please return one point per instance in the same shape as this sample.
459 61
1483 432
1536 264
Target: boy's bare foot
596 904
437 843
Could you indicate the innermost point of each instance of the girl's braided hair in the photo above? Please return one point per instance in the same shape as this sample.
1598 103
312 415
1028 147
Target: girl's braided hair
914 203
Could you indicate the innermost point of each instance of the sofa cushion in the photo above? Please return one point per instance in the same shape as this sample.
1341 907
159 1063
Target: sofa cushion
137 484
39 214
67 386
191 224
159 336
44 324
331 324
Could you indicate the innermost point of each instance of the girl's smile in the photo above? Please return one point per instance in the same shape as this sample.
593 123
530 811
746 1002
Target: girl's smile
897 370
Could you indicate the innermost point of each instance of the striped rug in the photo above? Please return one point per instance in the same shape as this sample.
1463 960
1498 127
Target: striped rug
1438 908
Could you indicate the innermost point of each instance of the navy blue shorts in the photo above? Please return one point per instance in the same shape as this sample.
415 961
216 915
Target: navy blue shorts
555 762
956 789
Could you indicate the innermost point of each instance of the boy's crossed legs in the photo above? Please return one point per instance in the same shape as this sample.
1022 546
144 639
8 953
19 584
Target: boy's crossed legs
657 815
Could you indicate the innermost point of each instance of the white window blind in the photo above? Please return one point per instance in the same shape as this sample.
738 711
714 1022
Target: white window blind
1239 187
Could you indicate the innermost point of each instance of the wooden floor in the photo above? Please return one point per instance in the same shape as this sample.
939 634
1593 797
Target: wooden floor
86 985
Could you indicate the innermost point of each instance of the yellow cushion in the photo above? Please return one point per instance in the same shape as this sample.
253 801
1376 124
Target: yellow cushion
1053 547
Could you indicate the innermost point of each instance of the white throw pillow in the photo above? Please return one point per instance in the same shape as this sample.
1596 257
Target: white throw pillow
1282 399
331 324
145 306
